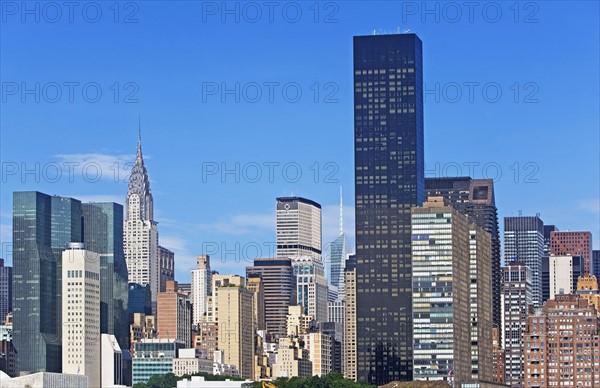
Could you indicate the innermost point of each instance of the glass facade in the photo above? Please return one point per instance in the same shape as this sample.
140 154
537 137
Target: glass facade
154 357
103 234
42 225
338 261
389 180
139 300
524 242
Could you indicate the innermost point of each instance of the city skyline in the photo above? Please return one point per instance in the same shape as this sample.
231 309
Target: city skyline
469 141
213 213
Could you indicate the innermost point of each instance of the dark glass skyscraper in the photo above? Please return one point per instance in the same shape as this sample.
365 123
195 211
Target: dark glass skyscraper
42 225
103 234
6 277
475 198
389 180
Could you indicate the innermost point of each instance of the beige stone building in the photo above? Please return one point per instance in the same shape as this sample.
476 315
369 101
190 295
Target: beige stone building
349 356
233 306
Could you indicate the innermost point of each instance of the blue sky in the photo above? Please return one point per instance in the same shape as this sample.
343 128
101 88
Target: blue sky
509 89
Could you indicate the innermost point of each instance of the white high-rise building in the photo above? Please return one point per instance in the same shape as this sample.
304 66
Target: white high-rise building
140 232
201 288
81 313
564 271
298 227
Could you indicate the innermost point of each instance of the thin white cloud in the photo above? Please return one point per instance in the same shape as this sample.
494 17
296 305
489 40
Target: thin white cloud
96 166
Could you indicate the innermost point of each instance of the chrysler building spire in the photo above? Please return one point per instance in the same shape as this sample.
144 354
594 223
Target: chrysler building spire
141 207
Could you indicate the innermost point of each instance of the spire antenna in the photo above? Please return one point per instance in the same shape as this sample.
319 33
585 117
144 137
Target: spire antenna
341 213
139 128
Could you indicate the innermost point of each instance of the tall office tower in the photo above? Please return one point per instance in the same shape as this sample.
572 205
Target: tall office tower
480 296
140 232
475 198
311 286
42 226
389 180
524 242
279 284
561 344
298 227
442 253
517 296
596 262
174 312
350 319
81 312
103 234
166 267
255 284
235 320
6 277
338 257
564 273
587 288
201 287
218 281
573 243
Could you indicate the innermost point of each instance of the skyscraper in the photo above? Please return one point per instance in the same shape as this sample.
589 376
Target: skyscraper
524 242
6 279
389 180
517 296
338 257
349 357
235 320
475 198
596 263
298 227
575 244
452 322
174 315
201 288
42 226
311 286
279 285
103 234
140 236
80 329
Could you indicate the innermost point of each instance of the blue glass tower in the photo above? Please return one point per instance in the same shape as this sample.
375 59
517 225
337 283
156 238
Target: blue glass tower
42 225
103 234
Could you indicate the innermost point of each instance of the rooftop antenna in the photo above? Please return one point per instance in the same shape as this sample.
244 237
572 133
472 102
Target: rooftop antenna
520 213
